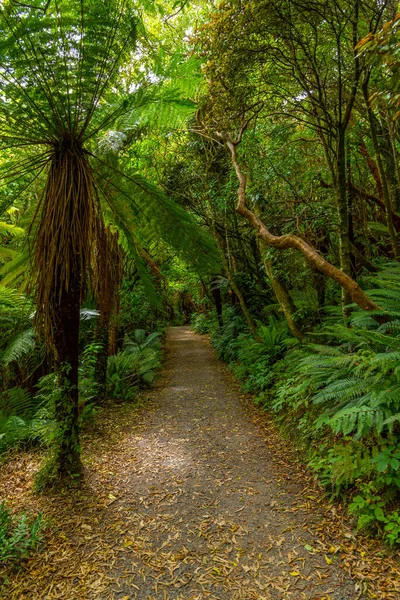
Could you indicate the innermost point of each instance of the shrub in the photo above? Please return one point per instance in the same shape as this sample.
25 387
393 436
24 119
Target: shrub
337 395
134 366
202 323
19 535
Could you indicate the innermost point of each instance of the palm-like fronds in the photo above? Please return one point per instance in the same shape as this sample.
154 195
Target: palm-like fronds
355 383
17 401
140 206
19 346
11 230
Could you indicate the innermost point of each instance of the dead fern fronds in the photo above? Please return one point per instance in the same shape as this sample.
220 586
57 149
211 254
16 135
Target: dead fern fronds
106 269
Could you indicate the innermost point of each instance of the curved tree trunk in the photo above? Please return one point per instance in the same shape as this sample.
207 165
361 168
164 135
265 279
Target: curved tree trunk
317 261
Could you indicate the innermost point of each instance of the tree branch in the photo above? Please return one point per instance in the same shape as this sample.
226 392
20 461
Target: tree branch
292 241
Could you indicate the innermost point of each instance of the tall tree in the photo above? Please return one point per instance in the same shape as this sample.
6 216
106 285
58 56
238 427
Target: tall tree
296 63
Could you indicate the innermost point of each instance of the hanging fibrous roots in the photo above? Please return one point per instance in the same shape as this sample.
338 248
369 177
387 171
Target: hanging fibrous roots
64 235
106 279
106 269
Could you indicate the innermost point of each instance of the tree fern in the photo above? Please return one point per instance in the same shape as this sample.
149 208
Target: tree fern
64 82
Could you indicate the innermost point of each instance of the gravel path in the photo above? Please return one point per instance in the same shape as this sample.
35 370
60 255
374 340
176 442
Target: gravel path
217 521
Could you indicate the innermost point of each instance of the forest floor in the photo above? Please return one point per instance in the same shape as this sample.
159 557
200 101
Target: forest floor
192 496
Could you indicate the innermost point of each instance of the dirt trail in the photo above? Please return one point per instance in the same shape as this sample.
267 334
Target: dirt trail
190 505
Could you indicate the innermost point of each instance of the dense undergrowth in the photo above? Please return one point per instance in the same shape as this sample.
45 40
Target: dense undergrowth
28 398
27 418
124 152
337 394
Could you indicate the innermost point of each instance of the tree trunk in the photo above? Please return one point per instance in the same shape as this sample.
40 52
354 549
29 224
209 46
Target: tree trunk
67 462
285 301
382 175
292 241
100 369
63 244
236 289
243 305
203 295
217 298
342 200
395 155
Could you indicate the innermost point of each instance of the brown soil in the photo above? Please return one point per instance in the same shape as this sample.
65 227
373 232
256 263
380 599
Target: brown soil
193 496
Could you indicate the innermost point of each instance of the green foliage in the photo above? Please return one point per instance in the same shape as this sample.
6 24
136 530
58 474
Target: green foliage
23 419
339 398
137 311
372 511
19 535
255 358
250 359
224 339
87 383
134 366
21 354
202 323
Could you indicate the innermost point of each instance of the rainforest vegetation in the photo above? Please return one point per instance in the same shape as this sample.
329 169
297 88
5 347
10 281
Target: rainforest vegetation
234 165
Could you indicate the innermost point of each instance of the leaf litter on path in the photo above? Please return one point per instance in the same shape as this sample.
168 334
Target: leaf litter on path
192 496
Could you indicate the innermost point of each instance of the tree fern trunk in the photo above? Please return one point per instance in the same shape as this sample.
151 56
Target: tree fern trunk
67 452
62 249
100 370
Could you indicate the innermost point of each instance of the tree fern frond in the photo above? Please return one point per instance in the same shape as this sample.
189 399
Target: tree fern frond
11 298
138 201
17 401
55 69
150 105
21 345
7 253
13 268
11 230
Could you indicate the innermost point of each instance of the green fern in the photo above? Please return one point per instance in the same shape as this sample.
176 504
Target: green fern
19 347
17 401
11 230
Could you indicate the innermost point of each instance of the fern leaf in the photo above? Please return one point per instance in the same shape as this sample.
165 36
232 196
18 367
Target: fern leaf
20 346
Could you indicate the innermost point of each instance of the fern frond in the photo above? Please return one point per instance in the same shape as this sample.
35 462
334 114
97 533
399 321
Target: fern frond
10 272
19 347
135 200
10 297
7 253
17 401
11 230
343 390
